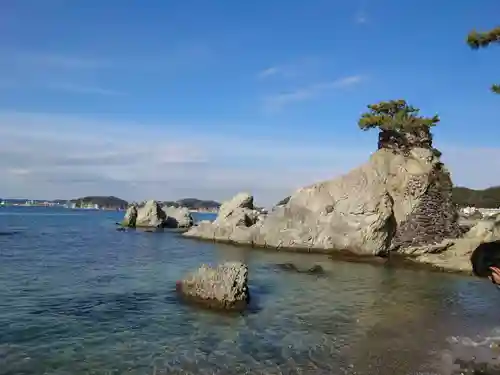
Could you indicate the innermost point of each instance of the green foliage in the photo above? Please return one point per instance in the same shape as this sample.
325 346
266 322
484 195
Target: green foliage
395 115
487 198
477 40
194 204
102 201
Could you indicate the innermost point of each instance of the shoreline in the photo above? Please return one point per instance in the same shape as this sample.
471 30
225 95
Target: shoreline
395 259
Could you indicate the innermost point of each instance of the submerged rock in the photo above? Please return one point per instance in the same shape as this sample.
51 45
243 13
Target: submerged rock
394 201
313 270
224 287
152 215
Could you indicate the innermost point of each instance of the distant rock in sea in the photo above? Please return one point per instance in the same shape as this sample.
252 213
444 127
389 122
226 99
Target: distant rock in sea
152 215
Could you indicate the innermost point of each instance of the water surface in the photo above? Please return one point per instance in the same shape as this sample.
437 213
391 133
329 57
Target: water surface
78 297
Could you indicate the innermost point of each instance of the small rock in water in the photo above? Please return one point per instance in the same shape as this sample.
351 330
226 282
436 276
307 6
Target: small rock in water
314 270
224 287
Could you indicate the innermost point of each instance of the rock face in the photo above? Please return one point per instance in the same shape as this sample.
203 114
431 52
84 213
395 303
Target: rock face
130 218
223 287
235 218
455 254
398 199
152 215
178 217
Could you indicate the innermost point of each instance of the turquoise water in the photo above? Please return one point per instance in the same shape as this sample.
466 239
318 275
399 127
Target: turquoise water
79 297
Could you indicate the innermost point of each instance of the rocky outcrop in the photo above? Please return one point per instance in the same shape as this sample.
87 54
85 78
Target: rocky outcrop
454 254
178 217
398 199
130 218
233 222
152 215
224 287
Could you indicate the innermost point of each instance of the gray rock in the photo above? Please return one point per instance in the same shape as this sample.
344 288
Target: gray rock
313 270
223 287
150 215
235 217
130 218
394 201
178 217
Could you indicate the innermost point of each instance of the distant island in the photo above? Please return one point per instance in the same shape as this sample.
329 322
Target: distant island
109 203
100 202
486 198
194 204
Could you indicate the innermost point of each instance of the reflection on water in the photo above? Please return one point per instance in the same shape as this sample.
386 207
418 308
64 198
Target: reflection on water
77 297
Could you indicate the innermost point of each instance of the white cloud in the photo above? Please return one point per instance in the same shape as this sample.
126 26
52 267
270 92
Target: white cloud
276 102
50 156
302 66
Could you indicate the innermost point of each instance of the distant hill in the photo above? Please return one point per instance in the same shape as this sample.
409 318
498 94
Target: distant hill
487 198
102 201
194 204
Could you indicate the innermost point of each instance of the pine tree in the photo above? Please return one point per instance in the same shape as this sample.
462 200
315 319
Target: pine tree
395 115
477 40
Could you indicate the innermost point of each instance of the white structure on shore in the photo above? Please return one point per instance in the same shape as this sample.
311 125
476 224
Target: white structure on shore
485 212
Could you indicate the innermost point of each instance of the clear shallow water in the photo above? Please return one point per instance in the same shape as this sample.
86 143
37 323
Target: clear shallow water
78 297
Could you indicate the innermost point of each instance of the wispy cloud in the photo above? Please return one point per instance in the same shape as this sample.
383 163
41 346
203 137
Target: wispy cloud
53 156
78 89
290 70
278 101
361 15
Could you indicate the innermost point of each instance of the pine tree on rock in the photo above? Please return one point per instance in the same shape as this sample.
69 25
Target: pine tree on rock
477 40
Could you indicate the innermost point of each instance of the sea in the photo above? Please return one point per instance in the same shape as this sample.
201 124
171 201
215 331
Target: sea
79 297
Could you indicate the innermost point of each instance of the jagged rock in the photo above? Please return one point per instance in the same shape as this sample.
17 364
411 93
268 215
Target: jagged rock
130 218
235 217
223 287
458 251
178 217
150 215
394 201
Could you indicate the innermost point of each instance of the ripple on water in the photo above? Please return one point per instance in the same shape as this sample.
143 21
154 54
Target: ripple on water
78 297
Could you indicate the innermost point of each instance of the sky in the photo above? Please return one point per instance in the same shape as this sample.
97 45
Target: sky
170 99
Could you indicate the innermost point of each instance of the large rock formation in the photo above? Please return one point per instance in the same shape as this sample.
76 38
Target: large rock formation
223 287
400 198
152 215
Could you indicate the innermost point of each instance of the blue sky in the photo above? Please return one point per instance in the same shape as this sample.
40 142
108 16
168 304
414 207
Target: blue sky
207 98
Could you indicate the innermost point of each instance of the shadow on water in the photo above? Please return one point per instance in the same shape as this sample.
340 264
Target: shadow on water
9 233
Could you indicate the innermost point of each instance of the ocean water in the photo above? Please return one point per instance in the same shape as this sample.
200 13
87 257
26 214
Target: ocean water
78 297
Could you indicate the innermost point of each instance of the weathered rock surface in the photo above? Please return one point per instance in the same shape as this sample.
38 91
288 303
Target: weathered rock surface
234 222
398 199
455 253
152 215
178 217
130 218
223 287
